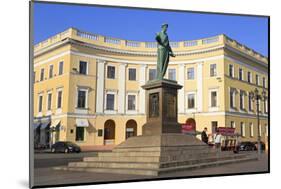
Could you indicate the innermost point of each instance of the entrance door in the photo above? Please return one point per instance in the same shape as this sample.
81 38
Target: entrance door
109 132
131 128
214 126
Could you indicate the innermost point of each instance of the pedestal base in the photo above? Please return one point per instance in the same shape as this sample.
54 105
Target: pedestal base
156 155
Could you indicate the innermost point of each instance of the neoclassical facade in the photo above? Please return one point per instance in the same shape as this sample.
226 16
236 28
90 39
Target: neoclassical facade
87 87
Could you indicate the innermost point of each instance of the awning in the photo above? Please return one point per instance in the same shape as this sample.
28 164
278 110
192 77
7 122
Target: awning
56 124
82 123
44 125
36 125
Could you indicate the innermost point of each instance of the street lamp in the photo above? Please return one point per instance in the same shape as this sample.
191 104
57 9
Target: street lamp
255 96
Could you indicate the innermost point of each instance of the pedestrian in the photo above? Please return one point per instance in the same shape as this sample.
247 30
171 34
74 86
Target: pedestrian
204 136
218 141
237 145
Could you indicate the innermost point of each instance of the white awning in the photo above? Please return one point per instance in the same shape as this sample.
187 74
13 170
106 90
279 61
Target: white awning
82 123
55 123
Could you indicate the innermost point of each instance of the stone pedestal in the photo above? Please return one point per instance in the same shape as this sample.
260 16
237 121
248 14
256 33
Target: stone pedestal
162 148
161 107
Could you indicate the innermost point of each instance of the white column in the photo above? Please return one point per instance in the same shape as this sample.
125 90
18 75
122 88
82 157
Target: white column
200 86
121 88
142 79
181 101
100 86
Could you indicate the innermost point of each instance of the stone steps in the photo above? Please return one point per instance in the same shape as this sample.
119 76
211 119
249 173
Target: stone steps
155 171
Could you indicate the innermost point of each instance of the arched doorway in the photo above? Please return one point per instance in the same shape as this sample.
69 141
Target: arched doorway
131 128
191 123
109 132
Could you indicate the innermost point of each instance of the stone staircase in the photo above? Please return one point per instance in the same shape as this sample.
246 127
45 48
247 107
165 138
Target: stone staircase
156 157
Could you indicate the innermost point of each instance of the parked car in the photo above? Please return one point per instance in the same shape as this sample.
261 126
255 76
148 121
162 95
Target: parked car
262 145
65 147
247 146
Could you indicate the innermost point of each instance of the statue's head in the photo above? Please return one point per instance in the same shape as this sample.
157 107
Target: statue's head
164 27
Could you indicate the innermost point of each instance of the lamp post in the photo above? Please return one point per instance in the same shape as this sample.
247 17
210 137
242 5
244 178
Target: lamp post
255 96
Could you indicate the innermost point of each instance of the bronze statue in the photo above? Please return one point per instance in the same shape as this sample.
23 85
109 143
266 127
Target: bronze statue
164 51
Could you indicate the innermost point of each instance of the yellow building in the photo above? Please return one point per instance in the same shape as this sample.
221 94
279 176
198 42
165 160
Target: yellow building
87 87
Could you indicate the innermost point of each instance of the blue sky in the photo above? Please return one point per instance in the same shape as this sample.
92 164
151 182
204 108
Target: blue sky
142 25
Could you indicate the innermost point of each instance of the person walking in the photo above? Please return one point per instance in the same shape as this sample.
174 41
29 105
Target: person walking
218 141
204 136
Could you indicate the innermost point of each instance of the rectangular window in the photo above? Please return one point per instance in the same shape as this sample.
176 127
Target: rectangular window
257 79
172 74
251 129
263 82
240 74
42 74
83 67
214 126
111 72
49 106
265 106
110 101
51 70
266 129
259 102
232 98
34 77
250 103
249 77
190 73
232 124
152 74
231 71
60 68
214 99
81 102
80 132
59 104
259 132
131 102
242 128
132 74
40 103
242 107
190 101
213 70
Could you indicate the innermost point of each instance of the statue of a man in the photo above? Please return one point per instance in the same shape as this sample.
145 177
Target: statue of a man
164 51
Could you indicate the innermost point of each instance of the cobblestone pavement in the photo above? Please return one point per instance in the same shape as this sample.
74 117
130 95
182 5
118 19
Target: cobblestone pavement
47 176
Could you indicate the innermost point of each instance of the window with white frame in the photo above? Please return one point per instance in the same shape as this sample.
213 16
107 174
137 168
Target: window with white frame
190 73
152 74
240 74
111 72
249 77
232 124
110 101
232 97
257 79
191 100
132 74
231 70
242 128
83 67
242 100
251 129
59 99
172 74
51 70
263 82
213 70
131 102
82 95
42 74
259 102
49 102
250 103
61 68
266 129
214 98
40 103
259 134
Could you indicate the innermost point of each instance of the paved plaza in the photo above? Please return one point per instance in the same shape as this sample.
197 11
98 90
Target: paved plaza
48 176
